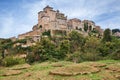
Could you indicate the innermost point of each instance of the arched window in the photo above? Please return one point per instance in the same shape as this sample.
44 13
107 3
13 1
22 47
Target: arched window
40 26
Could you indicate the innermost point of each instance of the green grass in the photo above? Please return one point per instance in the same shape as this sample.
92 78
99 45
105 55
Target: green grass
109 61
40 71
95 76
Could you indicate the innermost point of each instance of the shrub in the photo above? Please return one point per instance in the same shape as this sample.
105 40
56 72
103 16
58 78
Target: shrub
107 36
91 56
46 33
75 57
53 60
0 61
21 60
116 55
10 61
85 27
30 58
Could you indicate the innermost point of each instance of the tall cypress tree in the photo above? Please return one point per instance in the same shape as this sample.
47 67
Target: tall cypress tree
85 27
107 35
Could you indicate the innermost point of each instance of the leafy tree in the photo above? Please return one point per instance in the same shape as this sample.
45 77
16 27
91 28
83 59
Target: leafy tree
116 42
47 49
116 55
85 27
92 44
30 58
115 30
107 35
76 57
91 47
64 49
106 49
46 33
76 41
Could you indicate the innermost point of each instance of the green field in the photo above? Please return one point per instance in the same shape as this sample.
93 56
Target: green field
63 70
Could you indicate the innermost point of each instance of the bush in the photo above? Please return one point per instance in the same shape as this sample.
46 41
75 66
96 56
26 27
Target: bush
10 61
91 57
76 57
53 60
30 58
0 61
21 60
116 55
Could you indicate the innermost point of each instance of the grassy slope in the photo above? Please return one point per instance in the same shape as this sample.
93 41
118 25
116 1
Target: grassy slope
40 71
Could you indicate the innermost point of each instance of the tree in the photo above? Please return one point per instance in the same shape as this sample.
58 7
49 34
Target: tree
75 57
76 41
85 27
3 54
107 36
91 44
116 55
106 49
46 33
115 30
47 49
90 49
64 48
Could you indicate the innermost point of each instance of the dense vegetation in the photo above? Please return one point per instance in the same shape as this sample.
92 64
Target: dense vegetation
72 47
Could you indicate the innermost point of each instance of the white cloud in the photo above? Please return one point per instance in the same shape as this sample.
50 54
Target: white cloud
111 23
82 9
34 8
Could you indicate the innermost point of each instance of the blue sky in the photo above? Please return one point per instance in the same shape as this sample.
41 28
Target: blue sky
19 16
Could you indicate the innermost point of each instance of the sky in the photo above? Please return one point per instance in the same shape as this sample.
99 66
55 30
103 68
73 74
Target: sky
19 16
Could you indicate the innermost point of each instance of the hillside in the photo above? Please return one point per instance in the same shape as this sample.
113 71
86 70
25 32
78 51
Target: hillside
100 70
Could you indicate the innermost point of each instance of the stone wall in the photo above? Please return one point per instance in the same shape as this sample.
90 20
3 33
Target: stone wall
52 20
30 34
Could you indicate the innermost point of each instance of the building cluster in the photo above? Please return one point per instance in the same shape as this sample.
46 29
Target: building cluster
117 34
56 22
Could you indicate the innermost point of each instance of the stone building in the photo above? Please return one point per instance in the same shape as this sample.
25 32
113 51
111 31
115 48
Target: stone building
117 34
91 25
99 30
57 23
13 38
35 35
52 20
74 24
77 24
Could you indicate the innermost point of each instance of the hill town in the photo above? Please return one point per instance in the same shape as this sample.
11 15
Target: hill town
58 48
56 23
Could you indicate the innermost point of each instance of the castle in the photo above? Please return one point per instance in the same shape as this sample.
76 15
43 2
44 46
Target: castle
56 22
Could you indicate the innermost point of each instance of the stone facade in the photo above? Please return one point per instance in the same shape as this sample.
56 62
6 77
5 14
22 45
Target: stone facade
13 38
117 34
56 22
51 19
99 29
35 35
91 25
74 24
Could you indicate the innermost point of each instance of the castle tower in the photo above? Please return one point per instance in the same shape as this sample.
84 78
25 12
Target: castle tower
50 19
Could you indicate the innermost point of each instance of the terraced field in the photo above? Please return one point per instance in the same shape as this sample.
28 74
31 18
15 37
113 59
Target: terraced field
100 70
